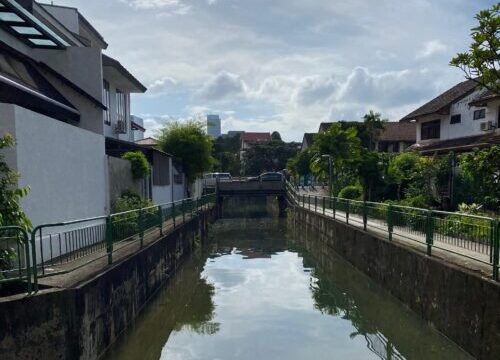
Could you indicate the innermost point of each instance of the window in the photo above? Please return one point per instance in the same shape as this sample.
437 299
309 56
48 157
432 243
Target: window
430 130
121 106
456 119
106 102
479 114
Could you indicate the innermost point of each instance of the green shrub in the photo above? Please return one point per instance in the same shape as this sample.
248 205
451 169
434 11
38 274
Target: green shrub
351 192
140 164
127 225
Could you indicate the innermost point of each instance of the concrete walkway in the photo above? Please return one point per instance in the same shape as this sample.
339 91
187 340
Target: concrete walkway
458 251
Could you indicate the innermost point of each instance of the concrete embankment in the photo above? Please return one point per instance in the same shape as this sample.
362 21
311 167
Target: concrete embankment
459 303
82 321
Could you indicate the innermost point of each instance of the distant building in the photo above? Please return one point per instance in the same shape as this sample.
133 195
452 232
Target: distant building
137 127
233 133
213 126
460 119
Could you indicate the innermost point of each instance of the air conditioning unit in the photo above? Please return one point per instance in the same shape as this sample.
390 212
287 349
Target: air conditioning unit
121 127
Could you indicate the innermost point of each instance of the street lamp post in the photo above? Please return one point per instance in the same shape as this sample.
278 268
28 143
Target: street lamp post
329 157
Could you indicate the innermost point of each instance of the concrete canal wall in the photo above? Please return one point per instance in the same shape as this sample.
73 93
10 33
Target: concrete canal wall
83 321
460 304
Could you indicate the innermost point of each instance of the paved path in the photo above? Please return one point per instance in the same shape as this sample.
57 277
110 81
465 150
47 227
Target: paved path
459 251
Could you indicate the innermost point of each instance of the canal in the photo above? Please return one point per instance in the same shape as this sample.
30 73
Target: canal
263 289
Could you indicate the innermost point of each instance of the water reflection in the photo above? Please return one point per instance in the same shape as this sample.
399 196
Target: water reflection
265 292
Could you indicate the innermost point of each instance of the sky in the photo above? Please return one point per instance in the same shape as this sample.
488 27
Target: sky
285 65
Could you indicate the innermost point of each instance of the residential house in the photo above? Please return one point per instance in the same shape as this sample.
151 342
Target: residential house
460 119
51 102
307 141
137 126
393 138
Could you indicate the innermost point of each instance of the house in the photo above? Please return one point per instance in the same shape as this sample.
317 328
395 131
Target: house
51 102
395 137
68 106
307 141
248 139
460 119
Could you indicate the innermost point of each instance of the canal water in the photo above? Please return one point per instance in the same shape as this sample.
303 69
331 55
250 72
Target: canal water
262 289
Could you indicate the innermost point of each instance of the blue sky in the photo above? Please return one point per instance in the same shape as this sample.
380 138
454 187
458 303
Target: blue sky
283 65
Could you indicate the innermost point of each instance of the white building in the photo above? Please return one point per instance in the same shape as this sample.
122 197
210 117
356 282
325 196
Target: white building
213 126
460 119
68 107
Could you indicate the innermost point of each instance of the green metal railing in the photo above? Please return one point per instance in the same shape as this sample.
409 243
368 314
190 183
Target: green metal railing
470 236
15 260
48 249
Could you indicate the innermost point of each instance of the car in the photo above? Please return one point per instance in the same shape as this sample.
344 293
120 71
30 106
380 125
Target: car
210 179
271 176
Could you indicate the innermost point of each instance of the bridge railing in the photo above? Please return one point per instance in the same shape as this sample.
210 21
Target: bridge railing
471 236
57 248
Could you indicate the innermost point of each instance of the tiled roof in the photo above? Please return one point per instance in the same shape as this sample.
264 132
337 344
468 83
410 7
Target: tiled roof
483 98
443 101
459 144
255 136
393 131
149 141
399 131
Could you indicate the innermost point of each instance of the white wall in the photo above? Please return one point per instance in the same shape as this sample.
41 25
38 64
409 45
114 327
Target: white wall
467 126
179 189
64 165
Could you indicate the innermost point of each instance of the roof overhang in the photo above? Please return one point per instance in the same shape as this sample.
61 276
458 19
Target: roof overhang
116 73
136 126
25 26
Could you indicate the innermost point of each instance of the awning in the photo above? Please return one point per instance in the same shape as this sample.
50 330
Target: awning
22 84
23 25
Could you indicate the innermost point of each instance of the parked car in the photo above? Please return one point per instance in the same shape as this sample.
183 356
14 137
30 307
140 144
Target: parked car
271 176
210 179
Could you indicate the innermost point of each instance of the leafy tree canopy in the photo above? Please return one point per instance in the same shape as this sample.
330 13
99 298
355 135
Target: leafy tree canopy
140 164
482 62
269 156
226 154
188 142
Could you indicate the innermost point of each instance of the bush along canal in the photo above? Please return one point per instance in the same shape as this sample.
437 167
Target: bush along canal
261 289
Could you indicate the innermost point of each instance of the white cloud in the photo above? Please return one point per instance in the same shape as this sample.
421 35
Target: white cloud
223 85
162 85
431 48
171 6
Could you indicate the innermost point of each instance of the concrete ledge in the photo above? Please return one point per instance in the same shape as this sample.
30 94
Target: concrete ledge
459 303
83 321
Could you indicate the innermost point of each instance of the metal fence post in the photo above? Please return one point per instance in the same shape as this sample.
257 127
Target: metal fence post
33 254
390 224
324 205
347 211
173 212
183 211
315 203
334 206
160 218
141 227
496 248
365 215
429 231
309 201
109 239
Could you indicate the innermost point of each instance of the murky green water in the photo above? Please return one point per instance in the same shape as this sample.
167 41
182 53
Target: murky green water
262 292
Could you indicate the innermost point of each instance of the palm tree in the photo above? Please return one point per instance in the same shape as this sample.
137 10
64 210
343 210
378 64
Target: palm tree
374 125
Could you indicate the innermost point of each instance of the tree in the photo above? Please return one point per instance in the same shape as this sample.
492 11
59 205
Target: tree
402 169
482 62
276 136
226 154
11 213
139 162
369 172
188 142
299 164
374 124
10 210
344 147
269 156
483 168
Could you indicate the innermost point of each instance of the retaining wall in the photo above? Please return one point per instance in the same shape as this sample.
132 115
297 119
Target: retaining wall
462 305
82 322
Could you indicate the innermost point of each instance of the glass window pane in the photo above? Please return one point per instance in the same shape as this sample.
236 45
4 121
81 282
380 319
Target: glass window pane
26 30
8 16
